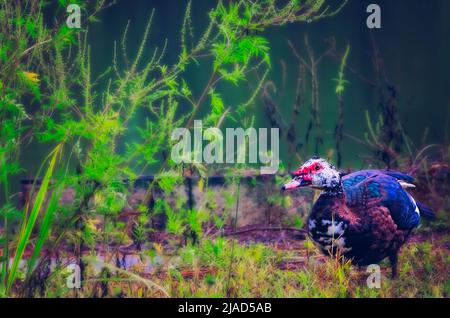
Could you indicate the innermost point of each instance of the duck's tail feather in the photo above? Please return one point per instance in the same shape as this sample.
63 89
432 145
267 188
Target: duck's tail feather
426 211
400 176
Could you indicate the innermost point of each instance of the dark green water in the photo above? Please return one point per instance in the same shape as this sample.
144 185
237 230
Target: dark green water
414 42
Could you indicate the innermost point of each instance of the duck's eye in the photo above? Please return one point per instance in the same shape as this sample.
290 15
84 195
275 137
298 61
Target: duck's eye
317 167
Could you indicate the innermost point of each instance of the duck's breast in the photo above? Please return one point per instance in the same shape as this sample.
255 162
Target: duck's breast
365 236
327 228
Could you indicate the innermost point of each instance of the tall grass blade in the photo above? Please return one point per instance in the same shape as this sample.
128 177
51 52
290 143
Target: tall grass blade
44 228
5 256
29 223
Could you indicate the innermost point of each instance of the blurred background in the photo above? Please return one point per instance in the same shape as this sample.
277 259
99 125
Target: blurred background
398 71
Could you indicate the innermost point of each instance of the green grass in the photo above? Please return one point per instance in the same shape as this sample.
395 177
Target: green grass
202 271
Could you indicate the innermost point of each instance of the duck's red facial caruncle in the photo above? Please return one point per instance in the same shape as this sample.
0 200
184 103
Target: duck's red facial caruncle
315 172
307 171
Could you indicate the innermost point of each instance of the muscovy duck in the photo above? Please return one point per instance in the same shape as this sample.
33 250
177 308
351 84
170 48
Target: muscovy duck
365 216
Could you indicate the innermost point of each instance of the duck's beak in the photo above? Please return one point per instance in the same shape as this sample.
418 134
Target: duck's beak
296 182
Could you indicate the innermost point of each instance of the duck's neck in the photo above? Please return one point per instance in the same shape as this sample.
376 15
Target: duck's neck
336 191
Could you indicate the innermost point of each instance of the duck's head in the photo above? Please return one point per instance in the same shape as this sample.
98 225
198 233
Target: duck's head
316 173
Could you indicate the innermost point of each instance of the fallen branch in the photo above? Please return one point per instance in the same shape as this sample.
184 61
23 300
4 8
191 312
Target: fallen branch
264 229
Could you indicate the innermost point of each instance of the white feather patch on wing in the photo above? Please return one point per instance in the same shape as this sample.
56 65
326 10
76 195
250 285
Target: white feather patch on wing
406 185
416 208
